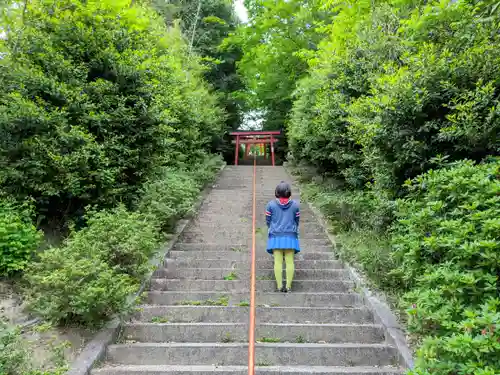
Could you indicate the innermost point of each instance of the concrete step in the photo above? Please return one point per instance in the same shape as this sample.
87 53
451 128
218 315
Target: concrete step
266 354
242 254
216 236
305 243
260 264
242 214
269 299
237 314
238 332
307 217
243 370
210 218
231 237
244 274
235 286
246 233
246 220
306 247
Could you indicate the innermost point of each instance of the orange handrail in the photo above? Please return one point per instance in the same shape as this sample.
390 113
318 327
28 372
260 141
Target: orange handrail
251 328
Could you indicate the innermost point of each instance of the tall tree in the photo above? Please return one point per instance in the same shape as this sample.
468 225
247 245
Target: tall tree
205 24
274 44
94 96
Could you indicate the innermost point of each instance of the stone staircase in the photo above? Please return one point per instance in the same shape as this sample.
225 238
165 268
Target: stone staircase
196 317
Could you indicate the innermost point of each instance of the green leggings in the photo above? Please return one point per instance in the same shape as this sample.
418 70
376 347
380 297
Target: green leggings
278 266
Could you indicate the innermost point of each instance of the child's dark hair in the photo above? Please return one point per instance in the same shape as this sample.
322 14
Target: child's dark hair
283 190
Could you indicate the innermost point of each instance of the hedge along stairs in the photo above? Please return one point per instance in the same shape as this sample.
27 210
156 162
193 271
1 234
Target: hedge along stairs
196 317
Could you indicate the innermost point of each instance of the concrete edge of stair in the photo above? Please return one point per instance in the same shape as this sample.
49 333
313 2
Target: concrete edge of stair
382 313
243 370
95 350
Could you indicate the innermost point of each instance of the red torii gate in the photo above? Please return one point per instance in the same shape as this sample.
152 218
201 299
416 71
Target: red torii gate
254 137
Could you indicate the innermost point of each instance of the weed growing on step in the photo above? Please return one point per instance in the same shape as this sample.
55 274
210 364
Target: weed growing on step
244 304
231 276
300 339
237 249
189 303
222 301
227 338
269 339
259 232
142 298
263 364
264 278
159 319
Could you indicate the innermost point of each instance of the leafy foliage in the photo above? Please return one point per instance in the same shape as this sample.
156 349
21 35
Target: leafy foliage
205 24
117 246
15 352
273 45
440 256
408 91
90 277
474 348
124 240
13 356
166 198
385 96
19 238
359 220
104 108
95 95
170 194
450 217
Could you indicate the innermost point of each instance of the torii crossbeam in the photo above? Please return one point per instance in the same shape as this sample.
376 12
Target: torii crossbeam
255 137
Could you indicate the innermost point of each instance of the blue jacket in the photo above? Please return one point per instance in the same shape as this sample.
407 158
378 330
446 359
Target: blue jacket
283 219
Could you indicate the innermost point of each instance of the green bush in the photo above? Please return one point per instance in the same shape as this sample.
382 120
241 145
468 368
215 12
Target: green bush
446 244
450 216
168 196
72 288
94 97
395 87
439 99
171 192
359 220
13 354
370 252
124 240
441 256
90 277
206 169
473 348
19 238
352 210
340 73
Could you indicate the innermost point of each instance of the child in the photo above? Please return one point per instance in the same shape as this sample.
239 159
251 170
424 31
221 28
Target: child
282 218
